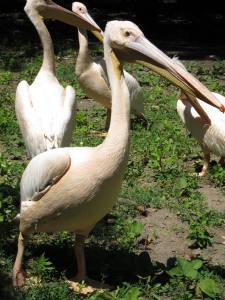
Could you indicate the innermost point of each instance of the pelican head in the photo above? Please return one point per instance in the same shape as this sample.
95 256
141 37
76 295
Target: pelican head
47 9
130 45
81 10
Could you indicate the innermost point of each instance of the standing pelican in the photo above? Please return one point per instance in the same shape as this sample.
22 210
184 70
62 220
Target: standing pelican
45 110
206 124
92 76
73 188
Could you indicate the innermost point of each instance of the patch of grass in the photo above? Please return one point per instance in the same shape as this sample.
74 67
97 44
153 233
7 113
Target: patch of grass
217 173
57 290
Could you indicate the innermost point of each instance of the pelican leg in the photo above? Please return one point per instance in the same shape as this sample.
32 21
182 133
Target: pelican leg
18 275
80 257
81 267
206 162
108 118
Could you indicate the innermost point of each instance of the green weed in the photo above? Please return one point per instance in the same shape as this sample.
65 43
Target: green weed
41 267
198 284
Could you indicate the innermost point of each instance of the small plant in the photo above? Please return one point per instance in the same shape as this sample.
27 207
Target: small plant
191 271
127 231
199 233
208 287
42 267
185 268
217 174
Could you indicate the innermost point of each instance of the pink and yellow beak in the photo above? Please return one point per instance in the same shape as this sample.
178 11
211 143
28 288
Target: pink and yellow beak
54 11
97 33
144 52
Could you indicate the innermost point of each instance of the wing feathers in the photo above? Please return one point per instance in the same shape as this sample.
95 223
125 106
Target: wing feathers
43 171
28 121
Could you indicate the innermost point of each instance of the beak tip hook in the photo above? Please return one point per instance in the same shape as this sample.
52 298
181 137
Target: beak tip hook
222 108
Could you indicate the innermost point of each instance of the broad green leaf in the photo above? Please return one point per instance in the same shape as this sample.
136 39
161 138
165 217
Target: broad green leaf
209 287
132 294
183 268
191 273
176 271
136 227
182 183
196 264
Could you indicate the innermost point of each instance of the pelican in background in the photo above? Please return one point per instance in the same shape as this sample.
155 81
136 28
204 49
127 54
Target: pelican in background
73 188
45 110
205 123
92 76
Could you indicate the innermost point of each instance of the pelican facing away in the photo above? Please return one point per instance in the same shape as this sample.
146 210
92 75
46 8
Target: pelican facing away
206 124
45 110
92 76
73 188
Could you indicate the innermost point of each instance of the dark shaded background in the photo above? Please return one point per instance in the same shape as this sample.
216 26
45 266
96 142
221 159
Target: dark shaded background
189 28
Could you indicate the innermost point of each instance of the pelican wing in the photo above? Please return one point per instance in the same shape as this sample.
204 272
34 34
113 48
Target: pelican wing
28 120
64 129
43 171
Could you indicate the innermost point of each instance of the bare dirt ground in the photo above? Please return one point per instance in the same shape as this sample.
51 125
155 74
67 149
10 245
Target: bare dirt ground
215 198
85 104
165 236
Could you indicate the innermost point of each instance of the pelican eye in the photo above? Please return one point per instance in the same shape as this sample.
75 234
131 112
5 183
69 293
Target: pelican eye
81 10
127 33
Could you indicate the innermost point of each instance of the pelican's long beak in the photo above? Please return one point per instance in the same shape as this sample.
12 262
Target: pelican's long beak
54 11
144 52
98 34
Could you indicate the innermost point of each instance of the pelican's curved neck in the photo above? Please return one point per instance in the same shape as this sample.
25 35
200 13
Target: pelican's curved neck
83 58
48 51
118 134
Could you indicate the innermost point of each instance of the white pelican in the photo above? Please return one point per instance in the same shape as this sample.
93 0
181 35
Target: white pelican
45 110
92 76
206 124
73 188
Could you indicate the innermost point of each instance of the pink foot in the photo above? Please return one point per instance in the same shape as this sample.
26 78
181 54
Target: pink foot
201 174
18 278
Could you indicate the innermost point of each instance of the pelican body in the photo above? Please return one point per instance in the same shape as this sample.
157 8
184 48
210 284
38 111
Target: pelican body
73 188
45 110
92 75
210 135
205 123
